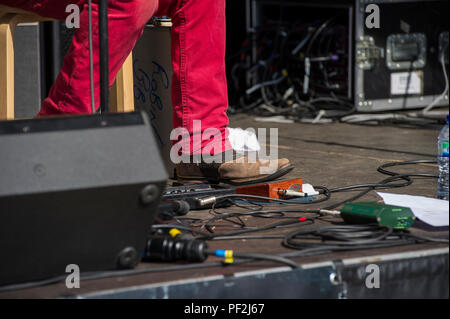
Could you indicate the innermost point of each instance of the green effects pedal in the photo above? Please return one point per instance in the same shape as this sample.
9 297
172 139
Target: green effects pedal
384 215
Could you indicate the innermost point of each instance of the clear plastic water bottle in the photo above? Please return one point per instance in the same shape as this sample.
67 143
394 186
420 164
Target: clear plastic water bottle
443 162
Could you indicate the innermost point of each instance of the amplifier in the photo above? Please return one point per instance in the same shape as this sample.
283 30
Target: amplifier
78 190
28 95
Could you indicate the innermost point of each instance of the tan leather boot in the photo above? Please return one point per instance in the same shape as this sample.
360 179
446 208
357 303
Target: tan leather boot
241 170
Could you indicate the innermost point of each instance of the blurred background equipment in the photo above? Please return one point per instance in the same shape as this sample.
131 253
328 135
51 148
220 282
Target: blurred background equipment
318 60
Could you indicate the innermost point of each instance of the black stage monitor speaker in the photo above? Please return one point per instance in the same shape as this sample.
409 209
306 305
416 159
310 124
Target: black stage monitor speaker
76 190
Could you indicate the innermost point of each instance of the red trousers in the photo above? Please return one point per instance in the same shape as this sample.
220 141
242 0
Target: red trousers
199 89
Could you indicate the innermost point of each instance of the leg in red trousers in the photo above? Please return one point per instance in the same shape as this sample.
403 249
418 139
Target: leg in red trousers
199 88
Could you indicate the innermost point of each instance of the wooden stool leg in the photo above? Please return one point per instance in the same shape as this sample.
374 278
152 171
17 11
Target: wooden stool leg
7 26
122 92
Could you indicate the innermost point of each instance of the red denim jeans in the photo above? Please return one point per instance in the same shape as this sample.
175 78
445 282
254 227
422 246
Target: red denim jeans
199 88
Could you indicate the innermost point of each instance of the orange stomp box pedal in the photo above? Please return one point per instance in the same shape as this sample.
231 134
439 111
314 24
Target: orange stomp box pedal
272 190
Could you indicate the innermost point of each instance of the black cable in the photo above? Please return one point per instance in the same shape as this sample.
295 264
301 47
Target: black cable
386 183
318 31
326 249
179 227
275 258
429 239
369 189
382 169
327 239
104 55
335 113
343 235
408 81
244 231
264 213
324 191
33 284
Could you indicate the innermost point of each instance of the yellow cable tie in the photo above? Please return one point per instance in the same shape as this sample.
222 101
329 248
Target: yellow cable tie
174 232
229 257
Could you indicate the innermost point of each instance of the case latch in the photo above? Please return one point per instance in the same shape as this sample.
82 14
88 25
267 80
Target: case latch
367 53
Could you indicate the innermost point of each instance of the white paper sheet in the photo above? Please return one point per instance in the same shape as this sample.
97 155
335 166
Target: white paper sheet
432 211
